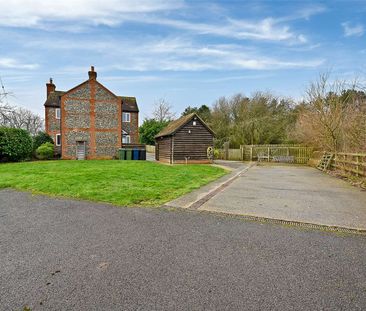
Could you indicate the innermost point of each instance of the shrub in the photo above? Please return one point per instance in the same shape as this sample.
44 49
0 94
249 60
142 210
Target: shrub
45 151
216 153
15 144
40 139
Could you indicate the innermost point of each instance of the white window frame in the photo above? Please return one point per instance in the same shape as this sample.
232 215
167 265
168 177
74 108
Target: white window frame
58 113
126 116
126 139
56 142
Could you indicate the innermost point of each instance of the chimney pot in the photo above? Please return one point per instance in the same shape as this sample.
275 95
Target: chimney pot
50 87
92 73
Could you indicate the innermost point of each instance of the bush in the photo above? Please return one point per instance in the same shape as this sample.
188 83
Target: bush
15 144
45 151
40 139
216 154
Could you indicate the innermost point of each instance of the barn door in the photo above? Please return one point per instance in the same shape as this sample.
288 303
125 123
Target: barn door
80 150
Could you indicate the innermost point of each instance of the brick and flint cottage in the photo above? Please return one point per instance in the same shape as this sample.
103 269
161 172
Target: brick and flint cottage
89 121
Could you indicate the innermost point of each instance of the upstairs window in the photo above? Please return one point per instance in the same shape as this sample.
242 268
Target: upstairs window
58 113
126 117
58 140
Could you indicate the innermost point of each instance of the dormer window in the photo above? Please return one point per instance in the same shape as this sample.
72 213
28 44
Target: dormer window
126 117
58 113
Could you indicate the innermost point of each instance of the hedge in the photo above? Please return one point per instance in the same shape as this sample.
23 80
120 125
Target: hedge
15 144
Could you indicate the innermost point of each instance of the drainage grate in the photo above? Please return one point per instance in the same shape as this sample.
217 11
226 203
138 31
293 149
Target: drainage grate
290 223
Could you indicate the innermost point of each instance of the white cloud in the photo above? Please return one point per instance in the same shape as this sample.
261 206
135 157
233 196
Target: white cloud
267 29
304 13
172 54
37 13
350 30
271 64
11 63
309 11
76 15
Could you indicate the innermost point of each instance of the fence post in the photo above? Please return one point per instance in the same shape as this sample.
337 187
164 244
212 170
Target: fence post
268 153
226 150
335 161
251 153
357 166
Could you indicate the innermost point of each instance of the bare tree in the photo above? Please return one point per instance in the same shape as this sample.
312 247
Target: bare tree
17 117
27 120
261 119
163 111
20 118
333 116
5 110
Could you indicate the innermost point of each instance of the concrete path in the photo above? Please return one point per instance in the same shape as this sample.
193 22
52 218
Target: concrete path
74 255
293 193
193 198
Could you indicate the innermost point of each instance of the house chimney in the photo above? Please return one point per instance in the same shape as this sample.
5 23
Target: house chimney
92 74
50 87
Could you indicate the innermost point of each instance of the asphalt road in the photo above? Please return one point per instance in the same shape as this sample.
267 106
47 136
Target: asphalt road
70 255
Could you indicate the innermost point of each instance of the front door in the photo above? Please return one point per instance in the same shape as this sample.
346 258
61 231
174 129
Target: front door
80 150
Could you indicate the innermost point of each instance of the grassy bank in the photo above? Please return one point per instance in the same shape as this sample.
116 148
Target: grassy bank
127 183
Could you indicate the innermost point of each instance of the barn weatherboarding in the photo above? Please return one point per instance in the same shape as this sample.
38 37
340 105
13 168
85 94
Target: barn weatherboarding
186 140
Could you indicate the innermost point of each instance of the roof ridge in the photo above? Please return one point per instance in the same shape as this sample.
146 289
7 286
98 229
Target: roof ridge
174 125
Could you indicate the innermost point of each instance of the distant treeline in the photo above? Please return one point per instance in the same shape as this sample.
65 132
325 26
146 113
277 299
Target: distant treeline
331 117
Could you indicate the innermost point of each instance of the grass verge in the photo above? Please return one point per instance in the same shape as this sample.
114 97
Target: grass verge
125 183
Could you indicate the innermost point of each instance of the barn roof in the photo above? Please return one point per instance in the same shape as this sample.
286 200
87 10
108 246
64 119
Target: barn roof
175 125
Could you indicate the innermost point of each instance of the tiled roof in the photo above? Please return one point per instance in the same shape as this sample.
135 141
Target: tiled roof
173 126
129 104
54 99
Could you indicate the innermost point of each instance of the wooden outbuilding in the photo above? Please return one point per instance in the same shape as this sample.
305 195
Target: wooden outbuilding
186 140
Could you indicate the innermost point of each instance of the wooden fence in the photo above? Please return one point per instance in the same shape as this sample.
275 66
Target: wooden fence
150 149
350 163
277 153
271 153
229 154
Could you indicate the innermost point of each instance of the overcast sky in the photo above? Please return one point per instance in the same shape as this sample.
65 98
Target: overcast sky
188 52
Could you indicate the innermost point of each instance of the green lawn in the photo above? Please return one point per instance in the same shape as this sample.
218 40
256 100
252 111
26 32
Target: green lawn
127 183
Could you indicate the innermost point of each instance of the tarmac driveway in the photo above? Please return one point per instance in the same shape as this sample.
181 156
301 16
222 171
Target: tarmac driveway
292 193
58 254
